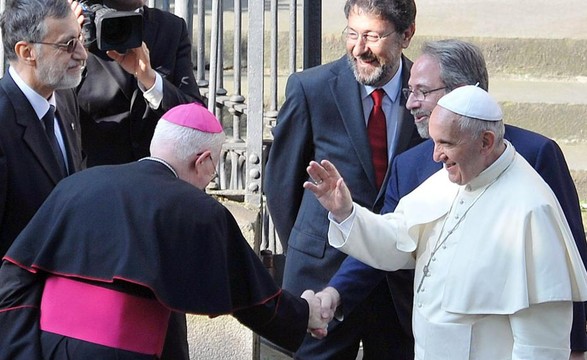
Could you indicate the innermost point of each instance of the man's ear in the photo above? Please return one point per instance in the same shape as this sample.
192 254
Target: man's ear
203 157
26 52
407 36
200 159
487 141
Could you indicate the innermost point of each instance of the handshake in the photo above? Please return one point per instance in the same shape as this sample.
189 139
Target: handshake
322 304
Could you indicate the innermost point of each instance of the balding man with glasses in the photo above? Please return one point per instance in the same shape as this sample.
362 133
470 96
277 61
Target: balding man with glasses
352 112
40 137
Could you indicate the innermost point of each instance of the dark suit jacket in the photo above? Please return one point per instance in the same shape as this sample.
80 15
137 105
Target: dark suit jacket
322 118
355 279
117 122
28 168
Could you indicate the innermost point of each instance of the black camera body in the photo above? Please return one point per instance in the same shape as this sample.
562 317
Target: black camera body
110 29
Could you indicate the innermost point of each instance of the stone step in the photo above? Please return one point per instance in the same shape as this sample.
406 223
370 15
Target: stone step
535 90
557 109
563 59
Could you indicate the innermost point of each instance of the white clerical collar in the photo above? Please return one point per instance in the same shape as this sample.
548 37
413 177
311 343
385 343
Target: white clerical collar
494 170
161 161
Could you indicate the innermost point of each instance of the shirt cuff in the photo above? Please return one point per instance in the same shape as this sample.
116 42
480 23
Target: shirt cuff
154 95
345 225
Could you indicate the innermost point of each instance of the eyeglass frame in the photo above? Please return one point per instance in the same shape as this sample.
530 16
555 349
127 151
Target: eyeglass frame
365 36
407 92
69 47
215 173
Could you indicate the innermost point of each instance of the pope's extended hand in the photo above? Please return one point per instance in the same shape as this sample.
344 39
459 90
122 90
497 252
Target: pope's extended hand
329 300
319 319
330 189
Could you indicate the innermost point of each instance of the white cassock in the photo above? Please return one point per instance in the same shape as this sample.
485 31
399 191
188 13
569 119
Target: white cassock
496 267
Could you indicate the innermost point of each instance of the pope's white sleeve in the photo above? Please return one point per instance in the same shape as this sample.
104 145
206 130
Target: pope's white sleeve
380 241
541 332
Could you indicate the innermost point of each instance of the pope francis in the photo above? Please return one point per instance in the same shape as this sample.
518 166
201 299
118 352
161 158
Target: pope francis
496 267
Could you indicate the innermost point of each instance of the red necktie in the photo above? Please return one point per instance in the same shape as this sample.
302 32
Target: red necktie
377 131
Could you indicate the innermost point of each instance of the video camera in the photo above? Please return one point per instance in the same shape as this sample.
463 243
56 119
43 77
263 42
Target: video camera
110 29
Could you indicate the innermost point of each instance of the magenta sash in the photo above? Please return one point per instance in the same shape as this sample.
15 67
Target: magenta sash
103 316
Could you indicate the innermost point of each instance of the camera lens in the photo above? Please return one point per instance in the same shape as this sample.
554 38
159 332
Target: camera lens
116 31
108 29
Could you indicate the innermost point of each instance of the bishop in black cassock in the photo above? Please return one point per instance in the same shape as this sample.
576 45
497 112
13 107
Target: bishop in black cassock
136 232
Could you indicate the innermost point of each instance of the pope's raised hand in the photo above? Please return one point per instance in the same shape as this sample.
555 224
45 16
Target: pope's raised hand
329 188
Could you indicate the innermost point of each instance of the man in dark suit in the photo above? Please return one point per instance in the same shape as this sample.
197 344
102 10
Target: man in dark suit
123 95
41 42
327 115
446 65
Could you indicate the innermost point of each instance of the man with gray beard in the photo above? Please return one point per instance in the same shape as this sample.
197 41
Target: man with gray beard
40 137
327 114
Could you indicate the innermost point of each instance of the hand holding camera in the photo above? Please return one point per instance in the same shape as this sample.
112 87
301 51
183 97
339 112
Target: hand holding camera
117 34
137 62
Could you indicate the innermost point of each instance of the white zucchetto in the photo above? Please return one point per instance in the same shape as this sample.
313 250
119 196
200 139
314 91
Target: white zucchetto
472 101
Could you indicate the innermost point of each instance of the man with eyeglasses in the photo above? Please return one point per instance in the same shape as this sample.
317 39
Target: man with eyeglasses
352 112
443 66
40 136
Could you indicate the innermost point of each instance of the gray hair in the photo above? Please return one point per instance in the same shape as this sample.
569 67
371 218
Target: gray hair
401 13
24 20
476 127
461 63
186 141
